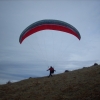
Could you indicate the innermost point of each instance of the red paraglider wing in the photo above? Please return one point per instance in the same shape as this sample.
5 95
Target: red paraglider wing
49 25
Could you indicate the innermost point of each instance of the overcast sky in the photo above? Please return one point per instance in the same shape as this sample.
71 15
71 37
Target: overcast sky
47 48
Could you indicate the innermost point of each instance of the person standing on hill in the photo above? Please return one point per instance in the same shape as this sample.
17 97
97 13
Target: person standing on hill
51 71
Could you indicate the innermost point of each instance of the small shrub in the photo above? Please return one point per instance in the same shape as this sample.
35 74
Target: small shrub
8 82
66 70
95 64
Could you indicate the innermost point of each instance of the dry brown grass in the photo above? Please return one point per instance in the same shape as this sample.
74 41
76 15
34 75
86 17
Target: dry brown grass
82 84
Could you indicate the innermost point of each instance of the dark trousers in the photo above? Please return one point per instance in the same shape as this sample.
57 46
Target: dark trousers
51 72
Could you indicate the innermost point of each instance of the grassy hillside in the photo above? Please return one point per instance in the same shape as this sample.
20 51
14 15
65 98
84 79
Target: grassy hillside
82 84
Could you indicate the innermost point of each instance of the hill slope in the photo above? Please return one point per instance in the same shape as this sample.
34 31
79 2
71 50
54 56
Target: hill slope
82 84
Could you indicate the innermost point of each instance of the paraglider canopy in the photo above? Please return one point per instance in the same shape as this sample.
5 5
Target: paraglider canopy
49 24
